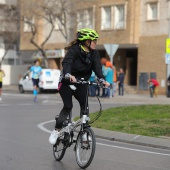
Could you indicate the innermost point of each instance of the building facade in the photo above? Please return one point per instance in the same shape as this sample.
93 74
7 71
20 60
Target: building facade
136 31
154 30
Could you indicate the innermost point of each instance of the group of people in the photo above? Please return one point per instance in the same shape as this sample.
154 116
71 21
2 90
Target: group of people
112 76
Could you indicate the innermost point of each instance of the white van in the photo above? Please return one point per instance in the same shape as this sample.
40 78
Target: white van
48 81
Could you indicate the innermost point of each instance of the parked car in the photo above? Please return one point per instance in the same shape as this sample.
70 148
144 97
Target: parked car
48 81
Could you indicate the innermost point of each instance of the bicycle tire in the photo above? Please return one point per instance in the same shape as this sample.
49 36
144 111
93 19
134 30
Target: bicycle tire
85 150
59 148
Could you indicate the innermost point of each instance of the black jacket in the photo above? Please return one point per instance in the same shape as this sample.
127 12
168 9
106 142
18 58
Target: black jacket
80 64
121 78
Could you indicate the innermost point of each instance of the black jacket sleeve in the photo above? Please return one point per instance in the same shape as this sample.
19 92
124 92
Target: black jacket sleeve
68 61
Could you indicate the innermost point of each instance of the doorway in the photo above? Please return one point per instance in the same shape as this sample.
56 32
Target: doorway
131 66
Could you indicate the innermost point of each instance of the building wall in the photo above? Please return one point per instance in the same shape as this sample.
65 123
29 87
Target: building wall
154 27
13 74
153 34
129 35
151 58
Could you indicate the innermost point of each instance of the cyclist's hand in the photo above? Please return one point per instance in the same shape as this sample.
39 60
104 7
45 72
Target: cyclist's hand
106 84
72 79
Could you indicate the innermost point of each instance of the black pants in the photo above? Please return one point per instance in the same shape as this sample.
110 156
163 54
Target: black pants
121 89
66 94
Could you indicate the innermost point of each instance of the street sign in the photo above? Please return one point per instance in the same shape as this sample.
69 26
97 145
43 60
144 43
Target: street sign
111 50
168 45
167 58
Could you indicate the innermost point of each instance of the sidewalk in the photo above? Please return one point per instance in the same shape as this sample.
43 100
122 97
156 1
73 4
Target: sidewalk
127 99
10 88
163 143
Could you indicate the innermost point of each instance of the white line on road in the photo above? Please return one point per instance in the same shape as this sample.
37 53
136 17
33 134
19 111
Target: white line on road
41 126
136 150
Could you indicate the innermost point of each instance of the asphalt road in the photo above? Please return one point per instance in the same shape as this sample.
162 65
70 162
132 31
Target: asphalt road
24 146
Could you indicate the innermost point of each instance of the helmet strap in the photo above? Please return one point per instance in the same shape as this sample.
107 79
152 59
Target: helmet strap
88 46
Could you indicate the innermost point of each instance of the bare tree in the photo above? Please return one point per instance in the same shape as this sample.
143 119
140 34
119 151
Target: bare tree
9 31
37 13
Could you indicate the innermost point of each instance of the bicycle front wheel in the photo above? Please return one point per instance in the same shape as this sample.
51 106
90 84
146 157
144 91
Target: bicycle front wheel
59 148
85 147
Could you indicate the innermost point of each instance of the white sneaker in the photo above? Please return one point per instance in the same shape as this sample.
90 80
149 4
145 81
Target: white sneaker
53 137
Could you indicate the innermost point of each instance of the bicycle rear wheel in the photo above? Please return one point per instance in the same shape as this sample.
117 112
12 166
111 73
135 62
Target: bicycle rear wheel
85 147
59 148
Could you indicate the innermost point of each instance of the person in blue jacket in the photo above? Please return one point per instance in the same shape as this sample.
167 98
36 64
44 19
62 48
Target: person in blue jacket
92 88
108 73
35 72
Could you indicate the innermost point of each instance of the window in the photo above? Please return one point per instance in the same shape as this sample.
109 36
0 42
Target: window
152 11
119 17
106 19
85 18
113 17
28 24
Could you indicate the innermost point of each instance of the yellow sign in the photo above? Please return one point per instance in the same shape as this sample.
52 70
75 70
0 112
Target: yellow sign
168 45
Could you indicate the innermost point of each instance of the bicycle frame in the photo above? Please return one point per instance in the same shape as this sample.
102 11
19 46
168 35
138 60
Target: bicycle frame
71 126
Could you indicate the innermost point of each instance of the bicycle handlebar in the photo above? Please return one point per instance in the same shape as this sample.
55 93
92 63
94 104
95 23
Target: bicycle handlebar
82 81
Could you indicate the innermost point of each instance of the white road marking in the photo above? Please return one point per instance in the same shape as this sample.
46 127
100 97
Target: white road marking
41 126
136 150
136 137
45 101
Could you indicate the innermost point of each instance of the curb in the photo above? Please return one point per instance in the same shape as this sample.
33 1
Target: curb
134 142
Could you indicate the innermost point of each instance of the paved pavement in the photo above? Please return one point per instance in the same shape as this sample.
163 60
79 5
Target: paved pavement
127 99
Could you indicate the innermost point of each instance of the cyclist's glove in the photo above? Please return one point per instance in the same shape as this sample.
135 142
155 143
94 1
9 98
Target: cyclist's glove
101 81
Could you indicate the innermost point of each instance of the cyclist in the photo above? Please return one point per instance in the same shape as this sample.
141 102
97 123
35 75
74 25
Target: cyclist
80 60
35 71
2 74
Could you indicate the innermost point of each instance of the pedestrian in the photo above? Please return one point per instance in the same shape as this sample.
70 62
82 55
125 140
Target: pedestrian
80 60
104 71
153 83
2 74
35 72
168 86
120 81
92 88
114 80
108 73
107 63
